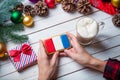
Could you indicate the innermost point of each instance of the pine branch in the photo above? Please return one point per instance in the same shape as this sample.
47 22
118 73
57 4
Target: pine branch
2 39
7 32
5 7
7 29
18 38
12 27
9 4
4 16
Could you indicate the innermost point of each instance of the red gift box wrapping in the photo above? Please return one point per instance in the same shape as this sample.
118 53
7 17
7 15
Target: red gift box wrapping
104 6
25 60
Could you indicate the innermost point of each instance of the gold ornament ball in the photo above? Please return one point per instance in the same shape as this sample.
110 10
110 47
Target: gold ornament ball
2 55
28 21
2 50
58 1
1 47
116 3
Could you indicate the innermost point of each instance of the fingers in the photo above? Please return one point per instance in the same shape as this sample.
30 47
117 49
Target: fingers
63 54
73 40
71 36
68 52
42 50
54 58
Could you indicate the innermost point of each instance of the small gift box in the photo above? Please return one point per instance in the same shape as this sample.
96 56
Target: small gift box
105 6
22 56
56 43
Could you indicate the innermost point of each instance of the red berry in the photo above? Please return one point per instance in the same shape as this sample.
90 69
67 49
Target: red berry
50 3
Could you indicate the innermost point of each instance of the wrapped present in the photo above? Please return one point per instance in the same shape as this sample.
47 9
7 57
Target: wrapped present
22 56
105 6
56 43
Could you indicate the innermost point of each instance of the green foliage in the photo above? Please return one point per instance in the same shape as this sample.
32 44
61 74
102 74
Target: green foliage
7 32
7 28
5 7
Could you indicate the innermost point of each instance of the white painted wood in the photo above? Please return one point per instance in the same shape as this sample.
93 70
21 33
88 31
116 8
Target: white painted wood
50 18
82 74
57 30
56 17
104 34
73 66
58 22
86 74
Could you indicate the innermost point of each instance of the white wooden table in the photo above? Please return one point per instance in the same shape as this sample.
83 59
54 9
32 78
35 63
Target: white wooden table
106 45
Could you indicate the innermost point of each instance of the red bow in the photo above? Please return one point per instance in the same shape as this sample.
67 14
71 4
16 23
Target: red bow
25 49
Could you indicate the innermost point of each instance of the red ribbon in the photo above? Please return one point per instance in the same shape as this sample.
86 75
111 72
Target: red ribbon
16 54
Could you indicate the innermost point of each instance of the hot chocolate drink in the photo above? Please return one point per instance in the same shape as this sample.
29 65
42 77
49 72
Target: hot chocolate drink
87 29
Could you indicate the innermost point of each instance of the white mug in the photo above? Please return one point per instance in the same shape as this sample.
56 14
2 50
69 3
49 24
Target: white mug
87 29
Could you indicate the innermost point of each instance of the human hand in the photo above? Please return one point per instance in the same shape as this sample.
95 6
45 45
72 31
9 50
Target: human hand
47 66
80 55
77 52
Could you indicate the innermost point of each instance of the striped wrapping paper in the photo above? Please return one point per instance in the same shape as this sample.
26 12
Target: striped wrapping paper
25 60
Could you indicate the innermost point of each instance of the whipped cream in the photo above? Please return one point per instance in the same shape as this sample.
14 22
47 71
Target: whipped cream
87 27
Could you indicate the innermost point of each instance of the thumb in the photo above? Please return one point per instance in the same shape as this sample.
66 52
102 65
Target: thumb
54 58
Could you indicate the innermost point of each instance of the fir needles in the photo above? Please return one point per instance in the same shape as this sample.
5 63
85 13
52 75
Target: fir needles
7 32
7 28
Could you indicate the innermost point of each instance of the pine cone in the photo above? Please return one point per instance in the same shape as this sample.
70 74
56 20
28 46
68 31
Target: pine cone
19 7
116 20
29 10
69 5
83 6
41 9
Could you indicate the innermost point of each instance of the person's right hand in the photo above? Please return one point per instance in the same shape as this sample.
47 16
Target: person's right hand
77 52
80 55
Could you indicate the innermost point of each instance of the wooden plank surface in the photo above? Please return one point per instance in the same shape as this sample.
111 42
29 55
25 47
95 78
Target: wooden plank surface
106 45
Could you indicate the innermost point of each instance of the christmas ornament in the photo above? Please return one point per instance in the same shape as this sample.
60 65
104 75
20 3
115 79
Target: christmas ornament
29 10
1 47
7 27
116 20
28 21
2 50
16 17
50 3
58 1
116 3
34 1
83 6
2 55
106 0
69 5
41 9
19 7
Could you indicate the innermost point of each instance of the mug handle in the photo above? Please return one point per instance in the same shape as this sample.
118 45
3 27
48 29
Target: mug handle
101 25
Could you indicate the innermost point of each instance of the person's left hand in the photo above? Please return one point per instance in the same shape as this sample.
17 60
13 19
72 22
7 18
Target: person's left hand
47 66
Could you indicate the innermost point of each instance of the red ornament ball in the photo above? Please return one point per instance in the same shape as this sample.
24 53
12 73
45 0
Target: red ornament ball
50 3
